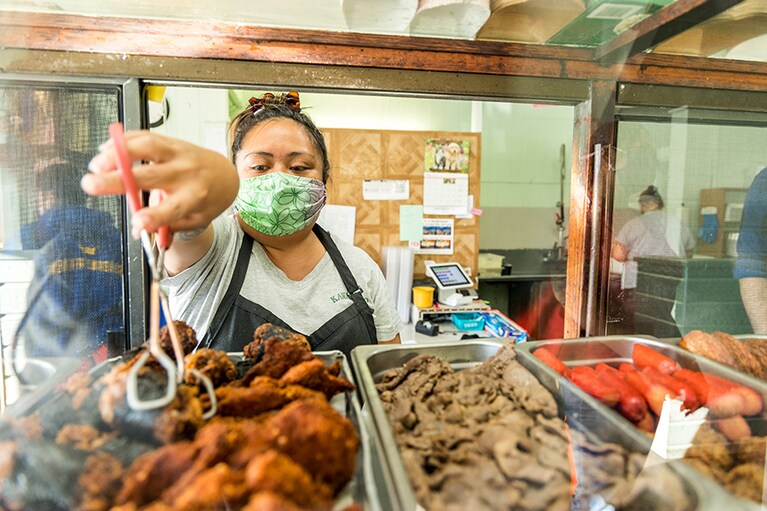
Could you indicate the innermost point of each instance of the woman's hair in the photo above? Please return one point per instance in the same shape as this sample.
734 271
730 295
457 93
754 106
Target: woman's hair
247 120
651 194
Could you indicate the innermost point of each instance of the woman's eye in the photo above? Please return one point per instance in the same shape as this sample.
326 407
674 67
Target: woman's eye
299 168
259 168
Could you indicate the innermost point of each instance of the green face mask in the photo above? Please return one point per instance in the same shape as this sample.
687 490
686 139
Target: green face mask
279 204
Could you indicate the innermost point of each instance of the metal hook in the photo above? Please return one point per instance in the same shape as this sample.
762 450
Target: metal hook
211 393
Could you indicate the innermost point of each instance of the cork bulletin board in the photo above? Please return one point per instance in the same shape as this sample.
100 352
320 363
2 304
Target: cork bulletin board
356 155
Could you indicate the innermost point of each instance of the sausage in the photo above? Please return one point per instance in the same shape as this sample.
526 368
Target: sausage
753 404
696 381
680 389
630 403
589 381
654 393
733 428
550 360
648 357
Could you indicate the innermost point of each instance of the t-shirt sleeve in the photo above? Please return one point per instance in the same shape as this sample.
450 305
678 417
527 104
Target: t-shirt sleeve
196 292
752 239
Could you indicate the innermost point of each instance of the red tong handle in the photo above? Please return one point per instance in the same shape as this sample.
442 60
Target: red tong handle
125 165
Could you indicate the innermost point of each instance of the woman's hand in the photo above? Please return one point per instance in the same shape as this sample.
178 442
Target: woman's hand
198 184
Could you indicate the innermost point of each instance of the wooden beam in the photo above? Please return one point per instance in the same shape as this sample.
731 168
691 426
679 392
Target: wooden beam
128 38
591 192
664 24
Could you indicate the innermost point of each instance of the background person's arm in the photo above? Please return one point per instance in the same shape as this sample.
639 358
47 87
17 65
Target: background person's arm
753 290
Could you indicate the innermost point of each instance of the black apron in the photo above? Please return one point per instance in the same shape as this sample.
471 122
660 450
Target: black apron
237 317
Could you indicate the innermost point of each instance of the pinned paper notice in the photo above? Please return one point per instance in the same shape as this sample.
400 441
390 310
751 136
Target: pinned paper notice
411 223
386 189
339 221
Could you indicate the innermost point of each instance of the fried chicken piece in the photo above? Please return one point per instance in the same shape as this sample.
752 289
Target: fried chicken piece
746 481
269 331
742 357
268 501
212 363
278 356
152 473
318 438
712 448
264 394
186 335
99 482
217 488
7 456
83 437
708 346
28 426
275 472
751 449
315 375
758 348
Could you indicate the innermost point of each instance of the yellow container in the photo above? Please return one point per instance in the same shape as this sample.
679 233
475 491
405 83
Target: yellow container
155 93
423 296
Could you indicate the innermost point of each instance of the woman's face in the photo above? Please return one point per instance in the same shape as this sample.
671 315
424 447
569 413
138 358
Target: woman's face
278 145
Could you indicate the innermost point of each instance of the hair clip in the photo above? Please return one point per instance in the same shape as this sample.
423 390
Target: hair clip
291 100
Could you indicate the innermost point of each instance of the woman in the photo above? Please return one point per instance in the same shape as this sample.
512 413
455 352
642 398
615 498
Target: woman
653 233
269 261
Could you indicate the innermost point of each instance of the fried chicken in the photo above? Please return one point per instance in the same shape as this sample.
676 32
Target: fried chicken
212 363
315 375
263 394
278 356
186 335
99 482
83 437
317 437
152 473
275 472
749 356
269 331
217 488
268 501
746 481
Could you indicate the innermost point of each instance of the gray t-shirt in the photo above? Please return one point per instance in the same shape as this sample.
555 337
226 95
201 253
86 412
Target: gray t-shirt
305 305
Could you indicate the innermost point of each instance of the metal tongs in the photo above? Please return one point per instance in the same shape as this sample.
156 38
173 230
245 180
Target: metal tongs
157 299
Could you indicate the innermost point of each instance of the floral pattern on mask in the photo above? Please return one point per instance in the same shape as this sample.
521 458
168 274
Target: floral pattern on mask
279 204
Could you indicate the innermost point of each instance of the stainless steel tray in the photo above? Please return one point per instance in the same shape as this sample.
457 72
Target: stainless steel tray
618 349
371 362
49 372
361 488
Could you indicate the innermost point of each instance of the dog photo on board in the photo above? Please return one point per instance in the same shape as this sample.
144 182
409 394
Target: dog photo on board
444 155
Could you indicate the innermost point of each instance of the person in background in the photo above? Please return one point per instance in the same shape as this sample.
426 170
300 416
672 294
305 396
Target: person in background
751 265
75 297
657 233
268 261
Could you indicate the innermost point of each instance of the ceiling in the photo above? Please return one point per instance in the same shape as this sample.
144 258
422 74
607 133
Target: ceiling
739 32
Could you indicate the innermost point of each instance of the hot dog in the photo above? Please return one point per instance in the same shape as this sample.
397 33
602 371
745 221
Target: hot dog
680 389
551 360
719 396
587 379
648 357
630 403
733 428
752 400
654 393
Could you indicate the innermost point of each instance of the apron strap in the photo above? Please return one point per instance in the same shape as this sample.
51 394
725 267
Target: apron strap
355 292
238 277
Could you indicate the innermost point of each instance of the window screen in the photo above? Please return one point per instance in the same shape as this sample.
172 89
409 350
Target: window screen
61 252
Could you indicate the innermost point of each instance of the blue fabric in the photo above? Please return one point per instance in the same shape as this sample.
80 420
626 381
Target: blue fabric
752 240
79 275
709 229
